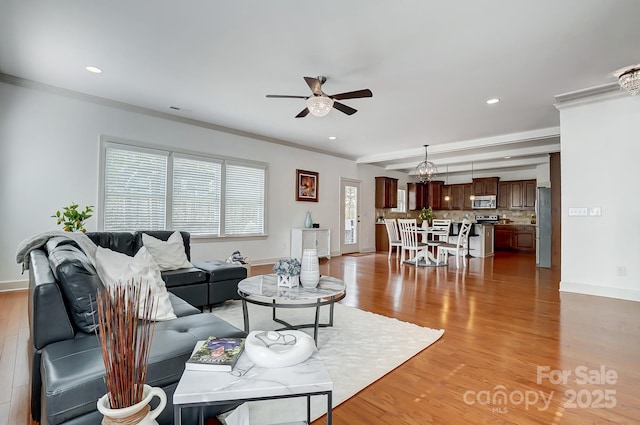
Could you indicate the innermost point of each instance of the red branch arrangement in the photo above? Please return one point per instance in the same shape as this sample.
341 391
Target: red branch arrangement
125 337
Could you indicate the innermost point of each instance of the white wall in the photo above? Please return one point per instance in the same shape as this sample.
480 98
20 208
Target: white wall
600 148
49 153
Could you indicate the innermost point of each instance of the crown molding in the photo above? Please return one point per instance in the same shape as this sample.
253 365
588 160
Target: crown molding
588 95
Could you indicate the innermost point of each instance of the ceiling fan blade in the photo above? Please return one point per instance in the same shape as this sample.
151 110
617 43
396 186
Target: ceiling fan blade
315 85
303 113
353 94
287 96
344 108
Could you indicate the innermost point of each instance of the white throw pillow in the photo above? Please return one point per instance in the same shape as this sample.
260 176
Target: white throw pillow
169 255
115 268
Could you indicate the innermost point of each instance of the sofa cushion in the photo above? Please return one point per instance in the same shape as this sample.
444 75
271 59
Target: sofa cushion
168 254
73 371
115 268
181 307
164 235
183 277
220 270
123 242
80 285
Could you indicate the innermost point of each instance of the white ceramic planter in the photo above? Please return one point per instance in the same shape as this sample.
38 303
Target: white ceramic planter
310 268
118 415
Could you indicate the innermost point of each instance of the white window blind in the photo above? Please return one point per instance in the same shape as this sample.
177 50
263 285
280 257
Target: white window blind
244 199
135 185
196 195
155 189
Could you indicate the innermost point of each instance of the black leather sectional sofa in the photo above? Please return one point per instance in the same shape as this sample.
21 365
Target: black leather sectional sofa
66 360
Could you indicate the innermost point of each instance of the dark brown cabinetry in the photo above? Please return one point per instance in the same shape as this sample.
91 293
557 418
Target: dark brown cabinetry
445 197
517 194
468 191
425 195
515 238
529 194
382 238
504 192
386 192
485 186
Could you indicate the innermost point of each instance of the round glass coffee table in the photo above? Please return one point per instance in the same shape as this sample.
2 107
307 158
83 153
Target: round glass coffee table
264 290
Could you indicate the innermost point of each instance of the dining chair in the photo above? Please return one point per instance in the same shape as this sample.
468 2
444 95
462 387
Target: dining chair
443 226
393 236
409 237
459 248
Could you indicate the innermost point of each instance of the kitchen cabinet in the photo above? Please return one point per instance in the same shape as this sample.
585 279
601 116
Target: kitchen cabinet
524 238
435 194
468 191
382 238
386 192
529 194
517 194
445 197
515 238
457 197
319 239
485 186
504 193
425 195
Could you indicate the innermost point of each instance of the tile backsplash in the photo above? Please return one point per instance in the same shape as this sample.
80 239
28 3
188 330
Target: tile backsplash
514 216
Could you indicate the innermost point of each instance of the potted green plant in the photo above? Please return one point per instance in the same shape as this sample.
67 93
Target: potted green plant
426 215
73 219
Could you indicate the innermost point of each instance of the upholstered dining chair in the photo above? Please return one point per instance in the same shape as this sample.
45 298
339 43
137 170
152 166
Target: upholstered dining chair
393 235
459 248
409 237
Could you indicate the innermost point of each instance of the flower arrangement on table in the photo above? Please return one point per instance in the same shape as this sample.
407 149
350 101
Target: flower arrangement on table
426 215
287 270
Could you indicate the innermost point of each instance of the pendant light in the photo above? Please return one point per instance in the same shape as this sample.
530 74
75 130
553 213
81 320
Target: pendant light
446 197
426 170
472 197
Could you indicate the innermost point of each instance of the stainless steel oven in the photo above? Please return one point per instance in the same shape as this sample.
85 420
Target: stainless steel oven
485 202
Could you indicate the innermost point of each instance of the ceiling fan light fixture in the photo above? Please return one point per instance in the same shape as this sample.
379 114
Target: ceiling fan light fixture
426 170
629 78
319 106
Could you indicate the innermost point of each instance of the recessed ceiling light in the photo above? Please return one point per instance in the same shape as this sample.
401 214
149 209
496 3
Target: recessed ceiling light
332 137
493 101
507 157
93 69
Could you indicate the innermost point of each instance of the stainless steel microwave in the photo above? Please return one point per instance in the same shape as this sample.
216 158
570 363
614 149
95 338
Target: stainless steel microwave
484 202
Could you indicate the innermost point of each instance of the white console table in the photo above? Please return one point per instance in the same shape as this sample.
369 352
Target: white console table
306 238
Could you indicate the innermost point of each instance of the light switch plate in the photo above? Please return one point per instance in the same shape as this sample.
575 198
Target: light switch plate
595 211
578 212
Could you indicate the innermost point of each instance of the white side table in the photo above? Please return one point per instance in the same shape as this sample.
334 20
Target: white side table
248 382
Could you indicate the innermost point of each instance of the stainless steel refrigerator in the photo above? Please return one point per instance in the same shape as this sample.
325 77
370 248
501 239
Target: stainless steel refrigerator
543 227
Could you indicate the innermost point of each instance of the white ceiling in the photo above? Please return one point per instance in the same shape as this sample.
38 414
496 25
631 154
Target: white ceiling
430 64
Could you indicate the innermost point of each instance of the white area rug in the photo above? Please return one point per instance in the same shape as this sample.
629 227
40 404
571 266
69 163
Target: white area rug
359 349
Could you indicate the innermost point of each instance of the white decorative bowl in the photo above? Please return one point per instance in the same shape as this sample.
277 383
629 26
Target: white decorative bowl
278 348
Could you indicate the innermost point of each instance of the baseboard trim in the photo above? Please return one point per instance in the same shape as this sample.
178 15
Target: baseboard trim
17 285
600 291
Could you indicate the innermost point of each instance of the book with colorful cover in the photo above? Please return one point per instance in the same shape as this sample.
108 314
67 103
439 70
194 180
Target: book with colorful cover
216 354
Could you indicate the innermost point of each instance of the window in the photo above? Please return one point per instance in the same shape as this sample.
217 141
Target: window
154 189
402 201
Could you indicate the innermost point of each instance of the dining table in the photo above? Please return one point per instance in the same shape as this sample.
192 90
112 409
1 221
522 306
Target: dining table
430 236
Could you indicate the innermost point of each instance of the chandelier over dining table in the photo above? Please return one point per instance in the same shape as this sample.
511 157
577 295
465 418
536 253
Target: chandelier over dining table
426 170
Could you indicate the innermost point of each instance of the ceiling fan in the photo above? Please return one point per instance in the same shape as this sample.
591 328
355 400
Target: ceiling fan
319 103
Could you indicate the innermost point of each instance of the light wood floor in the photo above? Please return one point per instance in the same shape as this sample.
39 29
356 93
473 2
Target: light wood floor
503 319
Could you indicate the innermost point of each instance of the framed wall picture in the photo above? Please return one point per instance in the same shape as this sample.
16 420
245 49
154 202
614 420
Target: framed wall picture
306 186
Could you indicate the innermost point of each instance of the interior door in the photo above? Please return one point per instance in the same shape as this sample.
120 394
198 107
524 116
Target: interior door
349 216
